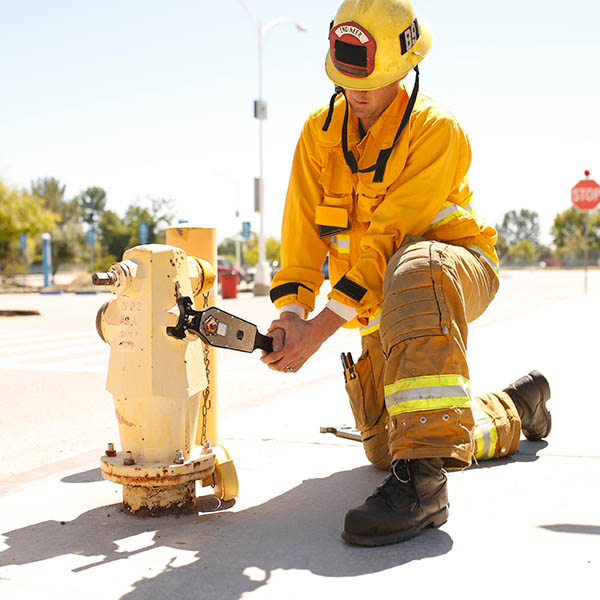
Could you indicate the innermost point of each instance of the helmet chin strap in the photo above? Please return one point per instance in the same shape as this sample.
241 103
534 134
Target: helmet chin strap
338 90
384 155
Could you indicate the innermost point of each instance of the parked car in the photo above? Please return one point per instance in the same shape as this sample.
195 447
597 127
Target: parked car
225 267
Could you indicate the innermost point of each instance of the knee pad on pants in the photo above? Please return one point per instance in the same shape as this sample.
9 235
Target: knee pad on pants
422 295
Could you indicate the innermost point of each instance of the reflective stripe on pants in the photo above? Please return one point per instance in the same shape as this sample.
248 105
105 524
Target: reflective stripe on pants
496 428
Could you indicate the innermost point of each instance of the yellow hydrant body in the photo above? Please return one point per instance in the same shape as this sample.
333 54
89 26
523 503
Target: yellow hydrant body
156 381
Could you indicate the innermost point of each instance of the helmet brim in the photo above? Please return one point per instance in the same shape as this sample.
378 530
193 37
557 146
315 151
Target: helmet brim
378 80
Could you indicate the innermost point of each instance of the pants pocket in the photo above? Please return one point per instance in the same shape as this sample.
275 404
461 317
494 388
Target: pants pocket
367 405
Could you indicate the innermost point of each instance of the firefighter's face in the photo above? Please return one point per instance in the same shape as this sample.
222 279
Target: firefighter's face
368 105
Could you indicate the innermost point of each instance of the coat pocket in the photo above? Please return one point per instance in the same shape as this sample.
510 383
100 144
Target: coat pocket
331 219
367 405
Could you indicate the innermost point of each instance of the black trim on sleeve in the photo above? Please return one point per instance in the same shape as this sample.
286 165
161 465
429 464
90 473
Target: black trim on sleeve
327 230
350 288
286 289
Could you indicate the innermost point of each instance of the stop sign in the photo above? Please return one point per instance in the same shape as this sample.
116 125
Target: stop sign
586 194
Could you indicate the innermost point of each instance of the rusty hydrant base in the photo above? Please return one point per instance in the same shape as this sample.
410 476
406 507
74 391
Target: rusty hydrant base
151 488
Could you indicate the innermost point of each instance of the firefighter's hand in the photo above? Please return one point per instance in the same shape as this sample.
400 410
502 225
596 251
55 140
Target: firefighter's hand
296 340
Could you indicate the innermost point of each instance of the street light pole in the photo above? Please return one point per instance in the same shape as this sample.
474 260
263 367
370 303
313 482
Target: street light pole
262 279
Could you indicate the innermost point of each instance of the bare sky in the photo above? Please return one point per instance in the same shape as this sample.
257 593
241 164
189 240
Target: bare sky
154 98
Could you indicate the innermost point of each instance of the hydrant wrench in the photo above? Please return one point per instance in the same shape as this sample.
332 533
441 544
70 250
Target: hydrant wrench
218 328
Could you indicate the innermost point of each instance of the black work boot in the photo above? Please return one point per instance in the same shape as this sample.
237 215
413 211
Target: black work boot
412 497
530 394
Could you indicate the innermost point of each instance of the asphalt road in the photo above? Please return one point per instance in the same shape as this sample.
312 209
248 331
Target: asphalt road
55 412
525 526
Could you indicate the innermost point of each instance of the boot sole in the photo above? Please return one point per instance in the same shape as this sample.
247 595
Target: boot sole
544 387
436 520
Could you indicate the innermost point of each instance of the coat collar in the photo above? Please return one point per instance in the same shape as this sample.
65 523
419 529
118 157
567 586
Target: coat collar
382 132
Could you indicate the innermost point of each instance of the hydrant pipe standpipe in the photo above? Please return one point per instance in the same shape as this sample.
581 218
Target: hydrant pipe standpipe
202 241
156 381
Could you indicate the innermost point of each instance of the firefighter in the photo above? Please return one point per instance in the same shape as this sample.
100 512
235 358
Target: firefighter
379 183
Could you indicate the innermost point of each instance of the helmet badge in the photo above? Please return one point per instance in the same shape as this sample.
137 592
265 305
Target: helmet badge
352 49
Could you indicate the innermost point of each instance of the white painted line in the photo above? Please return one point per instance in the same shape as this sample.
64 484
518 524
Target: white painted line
22 340
56 367
49 347
72 350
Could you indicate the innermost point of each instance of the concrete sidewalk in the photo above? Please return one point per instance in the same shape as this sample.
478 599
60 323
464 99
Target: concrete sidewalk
525 526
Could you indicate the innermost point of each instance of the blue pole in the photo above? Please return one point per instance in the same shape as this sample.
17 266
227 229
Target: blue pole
47 258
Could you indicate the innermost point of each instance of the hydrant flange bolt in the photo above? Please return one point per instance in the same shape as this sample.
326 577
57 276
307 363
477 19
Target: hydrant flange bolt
110 450
179 459
128 460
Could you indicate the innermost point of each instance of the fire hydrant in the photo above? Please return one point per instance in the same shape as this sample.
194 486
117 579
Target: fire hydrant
157 383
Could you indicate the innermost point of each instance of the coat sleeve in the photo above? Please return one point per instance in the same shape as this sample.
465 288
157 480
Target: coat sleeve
302 250
437 146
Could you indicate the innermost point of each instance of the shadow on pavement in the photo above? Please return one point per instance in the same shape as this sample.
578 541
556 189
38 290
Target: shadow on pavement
527 452
573 528
84 477
298 530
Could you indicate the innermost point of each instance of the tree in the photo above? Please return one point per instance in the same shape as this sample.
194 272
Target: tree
114 235
273 250
158 214
20 212
53 194
502 246
226 247
523 253
118 234
568 231
68 242
518 226
92 202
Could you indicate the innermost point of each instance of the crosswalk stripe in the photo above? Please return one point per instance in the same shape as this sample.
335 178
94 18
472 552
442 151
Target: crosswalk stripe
8 334
59 367
22 340
49 346
78 352
82 353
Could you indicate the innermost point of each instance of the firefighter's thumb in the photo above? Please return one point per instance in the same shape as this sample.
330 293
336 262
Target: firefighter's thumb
278 336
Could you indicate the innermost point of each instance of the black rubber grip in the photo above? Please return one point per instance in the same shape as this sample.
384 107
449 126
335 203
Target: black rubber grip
264 342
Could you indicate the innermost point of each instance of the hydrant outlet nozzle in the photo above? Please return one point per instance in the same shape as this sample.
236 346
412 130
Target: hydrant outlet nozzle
109 278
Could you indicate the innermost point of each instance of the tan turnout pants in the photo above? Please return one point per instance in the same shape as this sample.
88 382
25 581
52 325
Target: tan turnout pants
411 397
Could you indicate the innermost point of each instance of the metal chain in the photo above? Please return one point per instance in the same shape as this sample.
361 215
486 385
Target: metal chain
206 405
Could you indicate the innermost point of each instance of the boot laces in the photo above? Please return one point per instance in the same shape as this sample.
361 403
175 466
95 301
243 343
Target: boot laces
395 473
394 482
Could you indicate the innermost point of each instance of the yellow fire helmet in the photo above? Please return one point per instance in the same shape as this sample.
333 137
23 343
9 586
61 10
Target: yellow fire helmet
373 43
